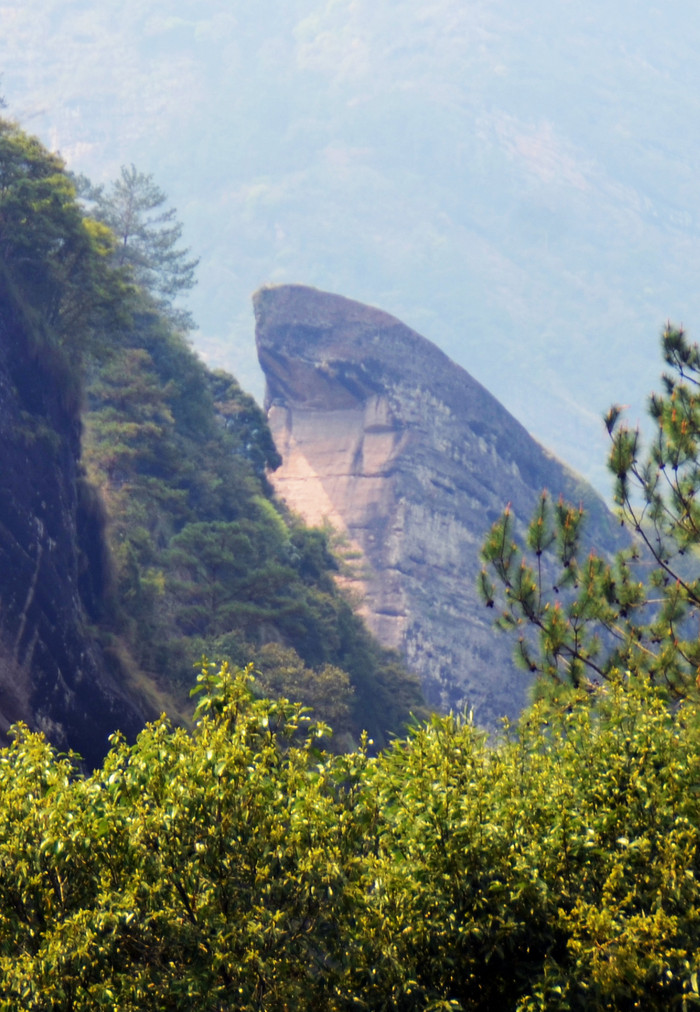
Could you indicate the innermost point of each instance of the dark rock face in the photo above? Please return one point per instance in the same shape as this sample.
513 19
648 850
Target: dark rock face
53 676
385 437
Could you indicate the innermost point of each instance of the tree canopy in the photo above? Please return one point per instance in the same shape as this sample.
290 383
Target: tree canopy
240 867
54 257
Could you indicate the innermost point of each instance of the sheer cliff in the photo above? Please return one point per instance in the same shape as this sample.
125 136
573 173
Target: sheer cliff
53 674
383 436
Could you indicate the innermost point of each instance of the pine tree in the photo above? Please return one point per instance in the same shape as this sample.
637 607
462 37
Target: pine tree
581 617
146 238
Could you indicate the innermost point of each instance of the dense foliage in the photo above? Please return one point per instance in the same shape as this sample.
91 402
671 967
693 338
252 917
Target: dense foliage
240 868
53 260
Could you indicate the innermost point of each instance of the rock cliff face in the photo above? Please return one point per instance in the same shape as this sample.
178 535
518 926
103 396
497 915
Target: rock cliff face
53 675
406 454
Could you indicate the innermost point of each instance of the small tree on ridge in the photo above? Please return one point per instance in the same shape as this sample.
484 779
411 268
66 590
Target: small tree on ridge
146 238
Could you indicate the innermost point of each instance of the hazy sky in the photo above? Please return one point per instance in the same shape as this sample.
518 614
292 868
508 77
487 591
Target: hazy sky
515 180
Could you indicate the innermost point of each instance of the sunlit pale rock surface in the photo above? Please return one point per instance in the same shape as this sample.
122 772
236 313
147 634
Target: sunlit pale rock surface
382 435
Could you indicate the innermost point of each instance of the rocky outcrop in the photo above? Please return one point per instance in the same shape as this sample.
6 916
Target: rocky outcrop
53 674
412 460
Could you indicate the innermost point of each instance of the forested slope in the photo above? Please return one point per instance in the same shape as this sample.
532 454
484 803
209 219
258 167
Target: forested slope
178 547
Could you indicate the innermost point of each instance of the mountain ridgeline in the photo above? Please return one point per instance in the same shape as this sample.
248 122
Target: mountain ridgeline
138 530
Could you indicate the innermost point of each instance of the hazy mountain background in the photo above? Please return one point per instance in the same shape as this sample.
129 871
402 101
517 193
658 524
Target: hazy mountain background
515 180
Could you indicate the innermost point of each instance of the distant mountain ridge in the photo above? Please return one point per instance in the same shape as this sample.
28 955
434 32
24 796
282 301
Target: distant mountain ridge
413 460
516 181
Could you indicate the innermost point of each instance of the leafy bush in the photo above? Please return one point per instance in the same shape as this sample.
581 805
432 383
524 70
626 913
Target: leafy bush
239 867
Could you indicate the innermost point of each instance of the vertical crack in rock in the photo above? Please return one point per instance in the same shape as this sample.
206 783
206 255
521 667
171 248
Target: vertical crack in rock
386 438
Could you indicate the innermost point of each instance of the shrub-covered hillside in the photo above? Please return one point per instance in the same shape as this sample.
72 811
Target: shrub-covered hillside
184 549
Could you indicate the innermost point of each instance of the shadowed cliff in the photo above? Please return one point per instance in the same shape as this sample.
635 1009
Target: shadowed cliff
53 674
413 460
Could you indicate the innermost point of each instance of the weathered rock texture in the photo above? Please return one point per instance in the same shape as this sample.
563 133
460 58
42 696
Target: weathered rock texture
53 674
405 453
